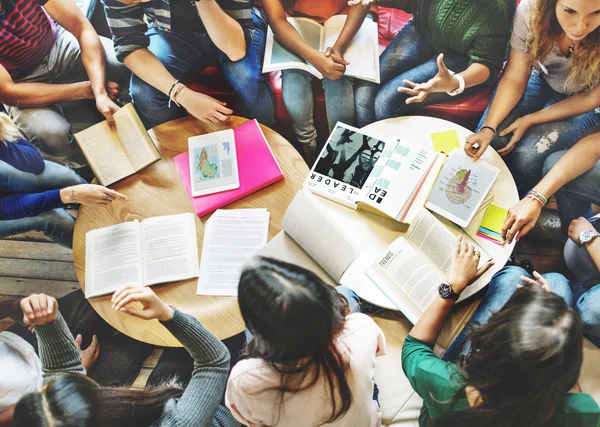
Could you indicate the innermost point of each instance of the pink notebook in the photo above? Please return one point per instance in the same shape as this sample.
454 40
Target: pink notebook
256 164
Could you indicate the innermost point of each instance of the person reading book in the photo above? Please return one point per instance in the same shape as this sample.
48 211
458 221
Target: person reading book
68 397
34 191
447 50
517 361
163 45
308 347
537 112
297 84
572 177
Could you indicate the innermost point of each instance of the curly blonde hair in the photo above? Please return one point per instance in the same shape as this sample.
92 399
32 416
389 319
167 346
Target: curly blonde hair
585 60
8 130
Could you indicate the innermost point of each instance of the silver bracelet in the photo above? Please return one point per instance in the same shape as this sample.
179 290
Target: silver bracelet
461 85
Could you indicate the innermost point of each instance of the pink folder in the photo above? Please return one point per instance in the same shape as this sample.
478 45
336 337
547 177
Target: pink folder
256 164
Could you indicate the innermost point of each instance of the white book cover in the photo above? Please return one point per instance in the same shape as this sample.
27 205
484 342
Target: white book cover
213 163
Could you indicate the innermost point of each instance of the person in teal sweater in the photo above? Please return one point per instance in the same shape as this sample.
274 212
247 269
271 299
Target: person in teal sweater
448 49
517 361
69 398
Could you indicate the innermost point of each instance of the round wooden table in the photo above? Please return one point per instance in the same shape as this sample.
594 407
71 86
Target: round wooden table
158 190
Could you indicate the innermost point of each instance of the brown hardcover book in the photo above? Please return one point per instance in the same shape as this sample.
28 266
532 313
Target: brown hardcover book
115 155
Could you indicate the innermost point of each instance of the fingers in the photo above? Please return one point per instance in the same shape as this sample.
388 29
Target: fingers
52 305
328 52
339 67
129 295
220 117
458 244
481 271
440 63
511 144
109 119
340 60
224 110
524 230
508 223
115 194
508 129
94 345
419 98
34 300
78 340
27 309
123 292
470 250
136 312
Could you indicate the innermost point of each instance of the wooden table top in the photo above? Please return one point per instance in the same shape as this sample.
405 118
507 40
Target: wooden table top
158 190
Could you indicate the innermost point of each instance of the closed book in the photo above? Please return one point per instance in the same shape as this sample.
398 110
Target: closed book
257 169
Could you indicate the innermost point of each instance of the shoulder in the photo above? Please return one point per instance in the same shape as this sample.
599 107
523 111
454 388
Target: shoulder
252 375
580 404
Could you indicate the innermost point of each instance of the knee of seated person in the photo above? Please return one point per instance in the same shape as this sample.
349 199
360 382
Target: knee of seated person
589 311
506 280
52 138
383 103
560 285
56 219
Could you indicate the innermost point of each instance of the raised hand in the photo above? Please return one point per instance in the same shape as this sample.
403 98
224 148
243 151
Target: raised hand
205 108
521 219
539 281
152 306
443 81
39 309
90 195
463 270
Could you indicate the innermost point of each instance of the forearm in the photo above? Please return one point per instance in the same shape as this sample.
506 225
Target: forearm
507 96
593 248
355 19
148 67
475 74
290 39
225 32
577 160
29 95
57 349
429 325
569 107
94 61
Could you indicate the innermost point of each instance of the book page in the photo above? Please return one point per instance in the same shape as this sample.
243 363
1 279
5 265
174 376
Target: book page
136 142
113 258
411 272
363 52
231 238
170 248
308 223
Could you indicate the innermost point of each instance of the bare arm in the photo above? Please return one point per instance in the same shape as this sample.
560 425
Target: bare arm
572 106
356 16
225 32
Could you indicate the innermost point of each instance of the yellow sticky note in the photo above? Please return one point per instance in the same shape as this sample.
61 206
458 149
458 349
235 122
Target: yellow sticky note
494 218
445 141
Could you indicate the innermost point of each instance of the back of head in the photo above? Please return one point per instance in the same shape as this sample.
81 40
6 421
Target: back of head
295 318
523 361
8 130
74 400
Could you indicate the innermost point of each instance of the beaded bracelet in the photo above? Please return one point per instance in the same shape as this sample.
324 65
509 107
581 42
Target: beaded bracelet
73 195
539 195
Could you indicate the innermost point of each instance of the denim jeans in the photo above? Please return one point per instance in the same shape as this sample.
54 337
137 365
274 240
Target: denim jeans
501 288
56 224
527 160
409 56
51 128
185 52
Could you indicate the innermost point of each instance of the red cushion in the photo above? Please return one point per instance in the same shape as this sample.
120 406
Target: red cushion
465 111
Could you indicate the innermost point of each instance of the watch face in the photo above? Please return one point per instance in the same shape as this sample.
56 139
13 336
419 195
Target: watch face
445 290
586 236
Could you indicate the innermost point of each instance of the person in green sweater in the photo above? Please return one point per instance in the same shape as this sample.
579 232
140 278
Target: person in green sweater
69 398
448 49
517 361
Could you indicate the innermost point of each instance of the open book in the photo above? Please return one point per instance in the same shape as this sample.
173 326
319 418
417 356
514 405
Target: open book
363 52
115 155
156 250
409 277
390 178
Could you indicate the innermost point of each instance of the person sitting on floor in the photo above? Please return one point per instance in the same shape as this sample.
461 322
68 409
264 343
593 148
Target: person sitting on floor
34 191
572 176
536 113
111 360
447 50
308 347
44 65
297 84
516 363
180 39
68 397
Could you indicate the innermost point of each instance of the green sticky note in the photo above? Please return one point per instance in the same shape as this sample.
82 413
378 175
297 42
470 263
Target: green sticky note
494 218
445 141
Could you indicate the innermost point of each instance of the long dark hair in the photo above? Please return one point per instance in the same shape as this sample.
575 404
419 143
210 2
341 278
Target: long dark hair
522 362
76 400
295 318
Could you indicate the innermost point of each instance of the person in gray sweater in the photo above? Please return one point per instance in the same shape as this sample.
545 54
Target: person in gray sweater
69 398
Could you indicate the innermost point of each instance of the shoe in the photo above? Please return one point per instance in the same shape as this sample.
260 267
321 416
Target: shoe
548 226
310 153
511 261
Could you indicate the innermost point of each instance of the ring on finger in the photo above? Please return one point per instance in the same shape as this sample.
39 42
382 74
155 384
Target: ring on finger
108 197
477 254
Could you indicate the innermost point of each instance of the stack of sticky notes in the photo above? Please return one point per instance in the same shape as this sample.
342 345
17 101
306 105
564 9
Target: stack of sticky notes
445 142
491 225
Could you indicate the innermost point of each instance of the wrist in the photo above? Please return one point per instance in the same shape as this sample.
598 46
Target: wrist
85 90
533 118
68 195
167 312
458 286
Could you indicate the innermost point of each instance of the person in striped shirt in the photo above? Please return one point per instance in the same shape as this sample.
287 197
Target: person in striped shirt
50 54
164 42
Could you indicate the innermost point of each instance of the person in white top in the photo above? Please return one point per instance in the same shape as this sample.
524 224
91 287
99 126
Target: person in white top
310 356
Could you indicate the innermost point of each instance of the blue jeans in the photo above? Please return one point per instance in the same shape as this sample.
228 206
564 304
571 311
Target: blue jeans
500 290
527 160
185 52
409 56
57 223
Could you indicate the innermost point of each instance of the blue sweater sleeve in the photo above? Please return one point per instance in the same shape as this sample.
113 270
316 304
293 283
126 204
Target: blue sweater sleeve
27 205
22 156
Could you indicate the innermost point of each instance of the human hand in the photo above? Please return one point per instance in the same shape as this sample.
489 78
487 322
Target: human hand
337 55
90 195
477 143
107 108
363 3
112 89
539 281
521 219
152 306
577 227
443 81
39 309
328 67
463 270
205 108
518 129
90 354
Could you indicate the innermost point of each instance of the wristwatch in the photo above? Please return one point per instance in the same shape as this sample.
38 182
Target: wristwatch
445 290
587 235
